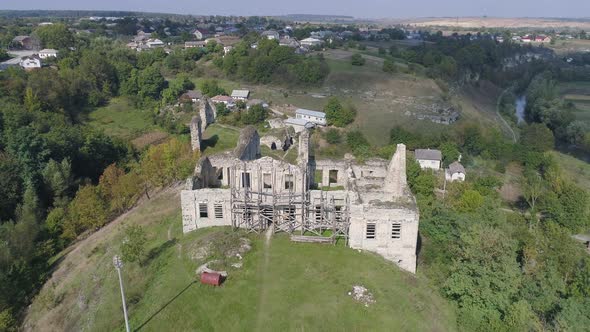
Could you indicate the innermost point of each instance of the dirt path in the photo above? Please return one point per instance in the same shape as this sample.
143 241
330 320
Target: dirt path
502 120
263 272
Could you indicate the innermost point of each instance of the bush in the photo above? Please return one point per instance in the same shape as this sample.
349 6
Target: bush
357 60
338 115
333 136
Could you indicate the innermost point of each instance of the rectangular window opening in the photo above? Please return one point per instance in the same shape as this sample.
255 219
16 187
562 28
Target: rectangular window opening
289 182
218 207
333 176
396 230
267 180
203 213
370 233
245 180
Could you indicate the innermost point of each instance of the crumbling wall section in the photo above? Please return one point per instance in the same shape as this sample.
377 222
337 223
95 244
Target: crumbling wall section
395 181
248 147
196 133
208 112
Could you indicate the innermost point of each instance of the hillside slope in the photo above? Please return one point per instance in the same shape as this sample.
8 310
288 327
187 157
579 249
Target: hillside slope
281 285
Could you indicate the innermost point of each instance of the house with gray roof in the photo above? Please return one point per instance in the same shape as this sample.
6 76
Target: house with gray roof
316 117
240 94
428 159
455 172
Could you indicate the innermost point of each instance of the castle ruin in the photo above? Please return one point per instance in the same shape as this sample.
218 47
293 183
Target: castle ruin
368 205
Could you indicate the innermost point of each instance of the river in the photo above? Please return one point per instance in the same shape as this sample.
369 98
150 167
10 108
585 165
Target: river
520 106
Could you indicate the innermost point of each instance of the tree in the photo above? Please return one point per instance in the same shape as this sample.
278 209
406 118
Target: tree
389 66
211 88
532 189
120 190
450 152
87 210
221 109
58 178
333 136
133 246
55 36
338 115
470 201
150 83
357 60
256 114
537 137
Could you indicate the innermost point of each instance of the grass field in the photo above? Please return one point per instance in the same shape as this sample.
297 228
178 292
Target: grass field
121 119
579 94
282 286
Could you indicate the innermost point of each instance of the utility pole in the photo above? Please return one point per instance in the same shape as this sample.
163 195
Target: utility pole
118 265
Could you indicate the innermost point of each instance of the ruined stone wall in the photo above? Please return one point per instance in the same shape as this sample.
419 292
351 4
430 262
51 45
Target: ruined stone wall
401 251
205 175
208 112
395 181
248 147
214 200
196 133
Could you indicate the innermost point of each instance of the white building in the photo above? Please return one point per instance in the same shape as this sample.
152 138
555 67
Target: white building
299 124
240 94
270 34
455 172
428 159
198 34
153 43
311 116
48 53
311 42
29 63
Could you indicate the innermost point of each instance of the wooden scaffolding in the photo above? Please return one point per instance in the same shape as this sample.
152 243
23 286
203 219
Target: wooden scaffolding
325 219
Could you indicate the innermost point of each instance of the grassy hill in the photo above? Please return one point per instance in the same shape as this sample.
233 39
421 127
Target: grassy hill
281 286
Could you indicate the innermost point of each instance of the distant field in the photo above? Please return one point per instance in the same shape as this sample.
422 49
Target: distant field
579 94
570 45
494 22
281 287
382 100
121 119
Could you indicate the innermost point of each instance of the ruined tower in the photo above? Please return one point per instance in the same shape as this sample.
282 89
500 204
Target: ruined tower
196 134
248 147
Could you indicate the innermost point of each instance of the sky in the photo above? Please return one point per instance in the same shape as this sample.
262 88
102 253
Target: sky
356 8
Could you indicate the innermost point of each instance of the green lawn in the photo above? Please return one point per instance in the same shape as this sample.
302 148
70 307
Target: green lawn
218 138
281 287
121 119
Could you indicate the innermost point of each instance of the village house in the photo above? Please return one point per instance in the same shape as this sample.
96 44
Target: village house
48 53
289 42
198 34
227 49
191 96
316 117
154 43
428 159
311 42
240 94
299 125
193 44
30 62
227 100
270 34
455 172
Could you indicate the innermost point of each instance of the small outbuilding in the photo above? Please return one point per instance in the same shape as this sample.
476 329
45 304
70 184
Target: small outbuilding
455 172
428 159
316 117
240 94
